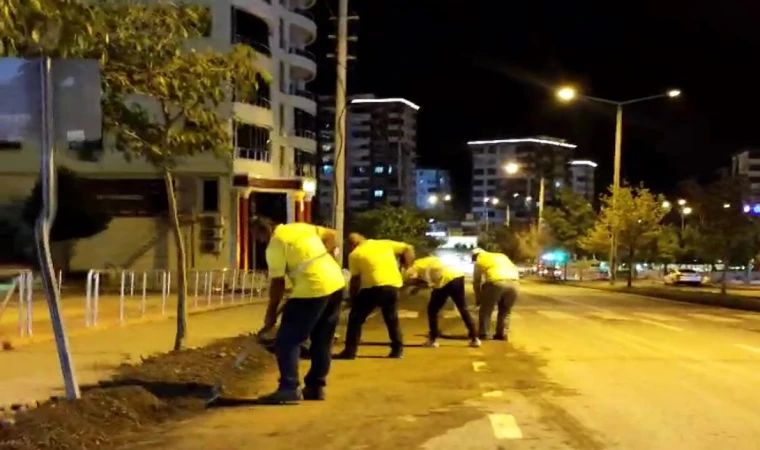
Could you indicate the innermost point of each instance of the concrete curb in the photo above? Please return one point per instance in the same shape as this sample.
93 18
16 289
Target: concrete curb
742 303
17 342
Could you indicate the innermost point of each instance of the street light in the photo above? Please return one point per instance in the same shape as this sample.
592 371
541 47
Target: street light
681 202
566 94
511 168
726 205
685 211
447 198
666 204
673 93
486 201
433 199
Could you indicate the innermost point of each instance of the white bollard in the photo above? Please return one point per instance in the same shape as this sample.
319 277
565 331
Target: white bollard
21 307
221 287
96 300
242 287
121 296
197 283
144 302
208 278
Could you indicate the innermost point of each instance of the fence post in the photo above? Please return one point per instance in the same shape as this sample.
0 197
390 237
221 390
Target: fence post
208 279
29 307
131 283
197 283
21 310
242 288
121 296
234 285
221 288
164 293
60 281
96 300
144 294
88 298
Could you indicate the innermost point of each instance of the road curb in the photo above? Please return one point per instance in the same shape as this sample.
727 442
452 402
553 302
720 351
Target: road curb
10 344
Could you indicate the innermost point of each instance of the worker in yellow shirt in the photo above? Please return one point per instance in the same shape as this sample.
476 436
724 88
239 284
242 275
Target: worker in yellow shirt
304 254
495 282
445 283
375 283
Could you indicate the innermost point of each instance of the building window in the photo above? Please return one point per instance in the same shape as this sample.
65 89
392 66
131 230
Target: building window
283 45
379 193
10 145
252 142
210 200
328 169
379 169
282 120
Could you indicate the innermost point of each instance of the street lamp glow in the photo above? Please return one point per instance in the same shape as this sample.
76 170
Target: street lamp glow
726 205
673 93
566 94
666 204
433 199
494 201
511 168
447 198
681 202
686 211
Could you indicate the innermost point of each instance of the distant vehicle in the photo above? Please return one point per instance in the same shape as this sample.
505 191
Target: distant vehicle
683 276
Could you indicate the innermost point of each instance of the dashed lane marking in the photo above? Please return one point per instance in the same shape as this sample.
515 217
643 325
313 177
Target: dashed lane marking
557 315
404 314
479 366
661 325
493 394
609 315
713 318
659 317
505 426
748 348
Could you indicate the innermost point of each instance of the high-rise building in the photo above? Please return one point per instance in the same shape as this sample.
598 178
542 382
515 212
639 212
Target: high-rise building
433 187
746 164
582 178
495 190
269 175
381 145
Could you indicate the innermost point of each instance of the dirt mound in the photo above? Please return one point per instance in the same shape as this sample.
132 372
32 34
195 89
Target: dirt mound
161 388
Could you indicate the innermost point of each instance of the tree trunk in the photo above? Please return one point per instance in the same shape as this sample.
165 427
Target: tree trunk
179 340
630 268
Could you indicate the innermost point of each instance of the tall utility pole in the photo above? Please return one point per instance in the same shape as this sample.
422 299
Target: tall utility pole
616 189
541 196
340 124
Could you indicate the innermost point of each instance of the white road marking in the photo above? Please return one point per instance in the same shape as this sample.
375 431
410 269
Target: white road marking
404 314
713 318
750 316
609 315
660 317
493 394
557 315
476 352
478 366
748 348
505 426
451 314
661 325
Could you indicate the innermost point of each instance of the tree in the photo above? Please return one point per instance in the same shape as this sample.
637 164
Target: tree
397 223
668 247
636 214
727 234
78 215
518 244
160 100
569 221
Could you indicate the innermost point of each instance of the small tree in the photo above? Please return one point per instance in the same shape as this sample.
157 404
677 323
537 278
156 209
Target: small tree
667 247
727 234
161 101
569 221
636 213
396 223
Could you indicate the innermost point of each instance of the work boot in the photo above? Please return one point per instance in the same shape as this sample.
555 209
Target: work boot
396 353
475 343
345 354
500 337
313 393
282 397
432 343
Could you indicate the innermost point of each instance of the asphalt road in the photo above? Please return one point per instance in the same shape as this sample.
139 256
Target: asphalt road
585 369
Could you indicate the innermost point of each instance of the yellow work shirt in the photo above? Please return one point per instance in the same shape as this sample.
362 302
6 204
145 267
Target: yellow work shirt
434 272
374 261
494 267
296 251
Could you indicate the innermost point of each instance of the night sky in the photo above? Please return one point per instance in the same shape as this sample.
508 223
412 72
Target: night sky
487 69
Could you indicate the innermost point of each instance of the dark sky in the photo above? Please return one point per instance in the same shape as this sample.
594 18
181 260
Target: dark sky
487 68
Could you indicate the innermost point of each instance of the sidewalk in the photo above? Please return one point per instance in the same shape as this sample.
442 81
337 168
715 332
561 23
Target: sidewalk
73 311
32 373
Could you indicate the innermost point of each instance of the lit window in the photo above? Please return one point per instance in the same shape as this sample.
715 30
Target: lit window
379 169
328 169
390 169
379 193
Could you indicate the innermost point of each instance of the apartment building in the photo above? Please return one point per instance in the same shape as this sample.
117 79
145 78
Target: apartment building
746 164
495 190
582 178
270 175
381 147
433 188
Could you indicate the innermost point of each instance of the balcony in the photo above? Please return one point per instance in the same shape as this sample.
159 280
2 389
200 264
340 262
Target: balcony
303 64
303 138
302 99
304 25
260 47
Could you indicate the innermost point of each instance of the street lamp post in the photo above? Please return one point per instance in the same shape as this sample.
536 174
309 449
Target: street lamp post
567 94
685 211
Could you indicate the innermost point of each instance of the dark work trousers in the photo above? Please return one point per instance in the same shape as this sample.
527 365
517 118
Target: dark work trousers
454 289
366 301
302 319
502 296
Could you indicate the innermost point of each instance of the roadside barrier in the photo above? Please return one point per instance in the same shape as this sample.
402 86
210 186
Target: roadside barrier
21 289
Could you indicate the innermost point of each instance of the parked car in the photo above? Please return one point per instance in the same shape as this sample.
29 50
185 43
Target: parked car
683 276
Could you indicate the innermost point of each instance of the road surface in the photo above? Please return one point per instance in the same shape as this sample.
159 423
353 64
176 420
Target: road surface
585 369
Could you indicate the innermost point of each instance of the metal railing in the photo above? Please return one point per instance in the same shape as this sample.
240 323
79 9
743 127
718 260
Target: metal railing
256 154
253 98
305 133
294 90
